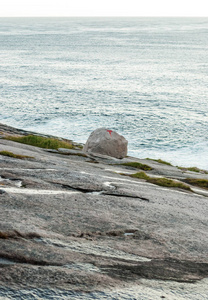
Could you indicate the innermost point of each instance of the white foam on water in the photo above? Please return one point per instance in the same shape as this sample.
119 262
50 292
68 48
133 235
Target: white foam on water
192 156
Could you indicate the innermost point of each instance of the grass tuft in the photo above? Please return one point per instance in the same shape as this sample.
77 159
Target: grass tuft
203 183
193 169
137 165
161 181
140 175
10 154
74 154
160 161
42 142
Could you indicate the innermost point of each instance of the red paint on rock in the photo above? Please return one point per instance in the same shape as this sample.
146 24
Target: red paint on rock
109 131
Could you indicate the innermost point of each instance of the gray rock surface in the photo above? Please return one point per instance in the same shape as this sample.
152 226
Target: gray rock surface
70 224
106 142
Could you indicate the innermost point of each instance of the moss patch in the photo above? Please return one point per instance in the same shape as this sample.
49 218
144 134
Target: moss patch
161 181
137 165
10 154
203 183
193 169
140 175
42 142
74 154
160 161
169 183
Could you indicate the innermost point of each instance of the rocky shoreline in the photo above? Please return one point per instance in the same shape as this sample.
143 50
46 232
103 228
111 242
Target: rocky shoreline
71 222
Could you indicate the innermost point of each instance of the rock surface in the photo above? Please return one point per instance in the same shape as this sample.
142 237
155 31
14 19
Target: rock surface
106 142
72 227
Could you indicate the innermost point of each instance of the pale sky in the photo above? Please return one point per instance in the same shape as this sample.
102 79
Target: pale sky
29 8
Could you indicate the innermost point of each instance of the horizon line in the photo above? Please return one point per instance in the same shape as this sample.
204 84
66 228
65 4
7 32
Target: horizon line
81 16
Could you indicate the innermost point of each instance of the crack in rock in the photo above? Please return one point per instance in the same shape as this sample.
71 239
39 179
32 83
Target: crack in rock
97 250
99 192
16 234
167 269
124 195
24 260
134 233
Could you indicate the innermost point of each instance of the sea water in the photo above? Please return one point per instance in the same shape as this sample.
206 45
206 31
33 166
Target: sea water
146 78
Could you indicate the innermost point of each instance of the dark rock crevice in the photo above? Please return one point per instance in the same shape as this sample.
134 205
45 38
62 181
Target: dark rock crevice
16 234
99 191
130 233
25 260
167 269
111 193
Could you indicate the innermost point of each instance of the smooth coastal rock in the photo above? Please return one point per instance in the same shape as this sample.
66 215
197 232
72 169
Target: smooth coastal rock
106 142
73 227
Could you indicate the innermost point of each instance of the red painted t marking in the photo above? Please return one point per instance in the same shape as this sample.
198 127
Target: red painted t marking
109 131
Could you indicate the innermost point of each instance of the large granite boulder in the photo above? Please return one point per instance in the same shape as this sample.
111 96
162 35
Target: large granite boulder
106 142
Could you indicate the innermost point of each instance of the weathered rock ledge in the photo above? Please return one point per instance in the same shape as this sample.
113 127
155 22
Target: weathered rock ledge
71 222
